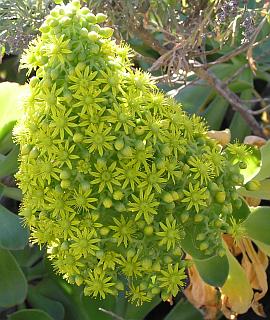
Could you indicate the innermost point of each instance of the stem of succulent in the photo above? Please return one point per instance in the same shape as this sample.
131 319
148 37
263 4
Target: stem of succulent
230 96
202 71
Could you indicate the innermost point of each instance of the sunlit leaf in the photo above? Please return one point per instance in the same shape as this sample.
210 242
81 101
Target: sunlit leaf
10 100
213 271
262 193
265 165
257 225
237 288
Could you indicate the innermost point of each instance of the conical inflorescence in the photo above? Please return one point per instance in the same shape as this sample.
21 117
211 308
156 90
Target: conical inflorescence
112 171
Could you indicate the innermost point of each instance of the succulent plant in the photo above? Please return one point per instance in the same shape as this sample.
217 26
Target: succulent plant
116 176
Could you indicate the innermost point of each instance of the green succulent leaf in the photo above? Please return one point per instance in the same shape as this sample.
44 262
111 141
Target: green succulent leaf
133 312
9 105
9 163
33 314
262 246
213 271
215 112
253 161
13 235
13 285
184 310
241 213
257 225
237 287
54 308
190 245
265 165
262 193
189 96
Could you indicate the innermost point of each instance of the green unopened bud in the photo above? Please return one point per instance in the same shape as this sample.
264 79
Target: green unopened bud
120 207
184 217
253 185
146 263
78 280
25 149
93 36
100 254
119 144
220 197
155 290
242 165
78 137
106 32
119 286
175 195
107 203
65 174
118 195
148 230
91 18
65 184
34 153
166 150
139 130
101 17
104 231
167 259
156 266
221 252
131 253
65 245
198 217
238 203
204 245
167 197
201 236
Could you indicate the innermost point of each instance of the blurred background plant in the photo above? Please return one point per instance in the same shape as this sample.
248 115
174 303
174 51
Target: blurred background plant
213 57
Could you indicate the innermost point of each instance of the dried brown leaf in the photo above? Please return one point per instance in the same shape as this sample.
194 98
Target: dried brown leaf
222 137
202 295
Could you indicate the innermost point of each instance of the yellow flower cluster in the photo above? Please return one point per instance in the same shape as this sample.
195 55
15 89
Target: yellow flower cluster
112 171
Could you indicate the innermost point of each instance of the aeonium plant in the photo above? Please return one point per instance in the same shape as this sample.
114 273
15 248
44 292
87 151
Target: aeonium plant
119 182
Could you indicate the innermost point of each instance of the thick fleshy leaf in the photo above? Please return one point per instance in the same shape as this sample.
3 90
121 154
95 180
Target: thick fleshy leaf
184 311
54 308
194 97
9 163
135 313
238 126
237 288
32 314
13 285
262 193
253 162
10 98
257 225
262 246
241 213
215 112
13 235
264 170
190 245
213 271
